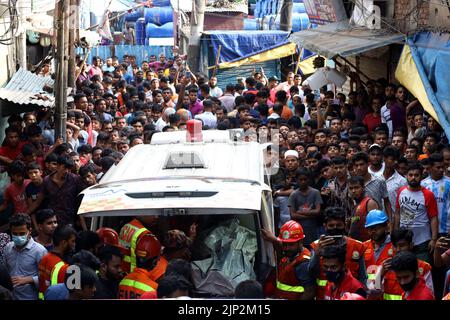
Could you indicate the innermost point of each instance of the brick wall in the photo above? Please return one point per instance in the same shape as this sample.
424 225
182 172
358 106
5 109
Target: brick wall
409 22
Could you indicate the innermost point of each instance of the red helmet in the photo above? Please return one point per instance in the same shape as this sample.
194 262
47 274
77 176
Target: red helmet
148 246
108 236
352 296
291 231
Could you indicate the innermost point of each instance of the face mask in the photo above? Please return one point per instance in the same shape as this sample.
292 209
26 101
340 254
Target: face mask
334 276
409 286
20 241
335 232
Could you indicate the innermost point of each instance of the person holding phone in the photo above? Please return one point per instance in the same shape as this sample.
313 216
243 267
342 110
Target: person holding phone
335 234
442 252
442 258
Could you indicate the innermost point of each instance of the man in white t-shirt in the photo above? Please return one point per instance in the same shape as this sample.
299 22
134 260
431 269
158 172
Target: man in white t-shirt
416 210
207 117
376 167
214 90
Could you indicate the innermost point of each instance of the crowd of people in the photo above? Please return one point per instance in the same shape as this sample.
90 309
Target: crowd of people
360 184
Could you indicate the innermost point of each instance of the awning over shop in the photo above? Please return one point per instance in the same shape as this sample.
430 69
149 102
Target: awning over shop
423 70
270 54
343 39
237 45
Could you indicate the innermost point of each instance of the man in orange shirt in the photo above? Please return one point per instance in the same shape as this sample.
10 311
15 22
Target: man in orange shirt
405 266
402 241
281 97
52 268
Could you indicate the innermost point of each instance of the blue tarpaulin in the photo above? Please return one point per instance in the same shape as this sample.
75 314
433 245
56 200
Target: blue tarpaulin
238 44
431 54
141 52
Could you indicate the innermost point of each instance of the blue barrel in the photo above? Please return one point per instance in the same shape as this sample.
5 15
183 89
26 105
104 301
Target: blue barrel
298 8
259 23
273 6
134 16
265 22
272 22
300 21
154 31
158 16
251 24
265 8
251 10
140 31
258 9
161 3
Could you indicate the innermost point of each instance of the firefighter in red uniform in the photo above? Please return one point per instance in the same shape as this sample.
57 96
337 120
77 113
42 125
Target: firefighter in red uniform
52 267
129 236
108 236
138 282
378 249
334 234
293 280
340 279
402 240
364 204
406 269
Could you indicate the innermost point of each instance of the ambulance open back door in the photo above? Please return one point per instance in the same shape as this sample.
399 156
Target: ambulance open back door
218 185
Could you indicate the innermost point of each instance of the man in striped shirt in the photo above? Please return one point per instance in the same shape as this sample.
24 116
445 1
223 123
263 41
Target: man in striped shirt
440 186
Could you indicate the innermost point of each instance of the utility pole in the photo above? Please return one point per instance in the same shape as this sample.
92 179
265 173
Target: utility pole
73 27
286 16
197 20
62 12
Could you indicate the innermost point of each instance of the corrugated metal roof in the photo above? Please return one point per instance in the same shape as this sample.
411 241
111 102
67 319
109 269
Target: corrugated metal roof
186 6
25 88
343 39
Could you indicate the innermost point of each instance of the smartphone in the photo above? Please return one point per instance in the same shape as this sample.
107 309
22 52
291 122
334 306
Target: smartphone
337 237
188 74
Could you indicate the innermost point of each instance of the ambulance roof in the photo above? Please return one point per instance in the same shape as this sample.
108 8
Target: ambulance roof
195 177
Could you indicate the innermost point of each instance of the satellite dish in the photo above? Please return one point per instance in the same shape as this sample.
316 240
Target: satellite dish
32 36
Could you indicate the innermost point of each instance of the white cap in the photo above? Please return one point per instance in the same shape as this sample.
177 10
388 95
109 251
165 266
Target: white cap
291 153
169 111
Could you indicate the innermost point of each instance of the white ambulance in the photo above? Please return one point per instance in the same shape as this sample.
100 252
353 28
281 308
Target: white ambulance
206 178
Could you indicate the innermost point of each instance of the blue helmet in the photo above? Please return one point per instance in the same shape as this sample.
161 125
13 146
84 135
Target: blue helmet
375 217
